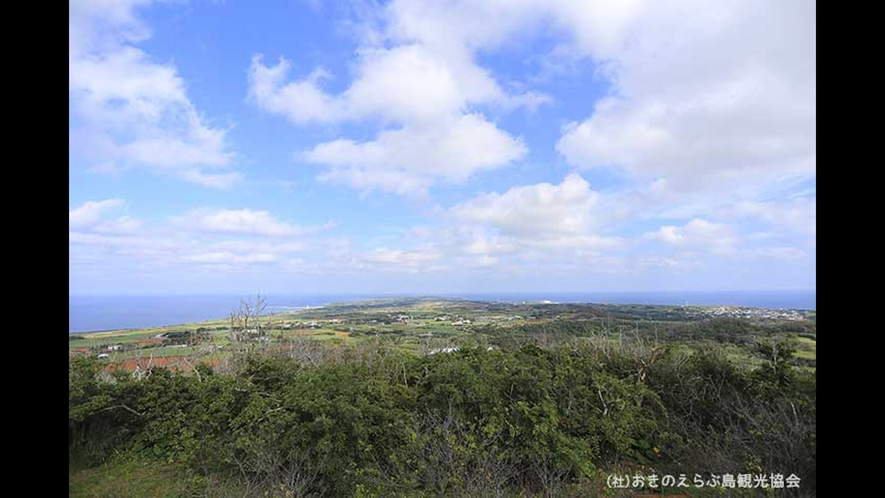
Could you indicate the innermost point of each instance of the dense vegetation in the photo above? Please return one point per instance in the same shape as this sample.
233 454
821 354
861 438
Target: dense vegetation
517 418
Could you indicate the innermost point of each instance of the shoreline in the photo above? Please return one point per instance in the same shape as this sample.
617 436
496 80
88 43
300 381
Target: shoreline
296 309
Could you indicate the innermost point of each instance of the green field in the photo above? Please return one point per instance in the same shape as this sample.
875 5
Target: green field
807 348
419 326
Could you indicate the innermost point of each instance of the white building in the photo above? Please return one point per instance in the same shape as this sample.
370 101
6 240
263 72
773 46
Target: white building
444 350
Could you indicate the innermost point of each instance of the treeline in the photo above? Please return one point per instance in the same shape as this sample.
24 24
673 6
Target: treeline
739 331
369 421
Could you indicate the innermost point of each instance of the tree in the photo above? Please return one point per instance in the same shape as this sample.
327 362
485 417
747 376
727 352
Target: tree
777 354
245 318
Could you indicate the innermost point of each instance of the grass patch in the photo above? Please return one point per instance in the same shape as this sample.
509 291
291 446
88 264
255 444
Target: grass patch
156 352
807 348
89 341
129 479
811 355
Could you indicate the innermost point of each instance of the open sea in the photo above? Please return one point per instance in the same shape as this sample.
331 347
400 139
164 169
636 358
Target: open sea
95 313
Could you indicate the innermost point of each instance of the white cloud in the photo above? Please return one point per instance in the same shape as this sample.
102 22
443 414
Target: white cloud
91 212
105 241
703 93
698 234
530 223
251 246
597 27
243 222
237 253
673 264
340 255
530 100
220 239
706 94
227 258
410 159
788 254
132 111
92 217
301 101
425 96
486 245
93 24
399 258
224 181
407 83
535 210
412 84
795 215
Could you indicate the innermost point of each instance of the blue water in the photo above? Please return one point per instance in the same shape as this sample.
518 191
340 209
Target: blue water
94 313
803 300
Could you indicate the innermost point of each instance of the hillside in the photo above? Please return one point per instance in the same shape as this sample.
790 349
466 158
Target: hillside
447 398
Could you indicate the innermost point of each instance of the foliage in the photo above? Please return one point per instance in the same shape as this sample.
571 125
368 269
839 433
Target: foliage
366 420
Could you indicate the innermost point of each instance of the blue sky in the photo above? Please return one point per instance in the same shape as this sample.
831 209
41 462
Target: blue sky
425 146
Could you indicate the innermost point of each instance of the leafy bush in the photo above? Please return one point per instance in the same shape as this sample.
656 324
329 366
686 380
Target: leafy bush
368 421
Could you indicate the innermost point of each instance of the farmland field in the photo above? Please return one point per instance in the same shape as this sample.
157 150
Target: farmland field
421 326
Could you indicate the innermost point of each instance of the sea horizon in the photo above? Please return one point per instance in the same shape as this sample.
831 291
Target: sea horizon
95 313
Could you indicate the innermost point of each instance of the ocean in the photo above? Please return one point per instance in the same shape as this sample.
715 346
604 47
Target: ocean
95 313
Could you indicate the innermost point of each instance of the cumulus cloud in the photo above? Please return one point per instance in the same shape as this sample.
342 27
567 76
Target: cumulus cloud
423 95
239 253
91 216
399 258
705 94
486 245
223 239
531 210
91 212
541 216
133 111
710 103
407 83
300 101
412 158
794 215
702 93
243 222
697 234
